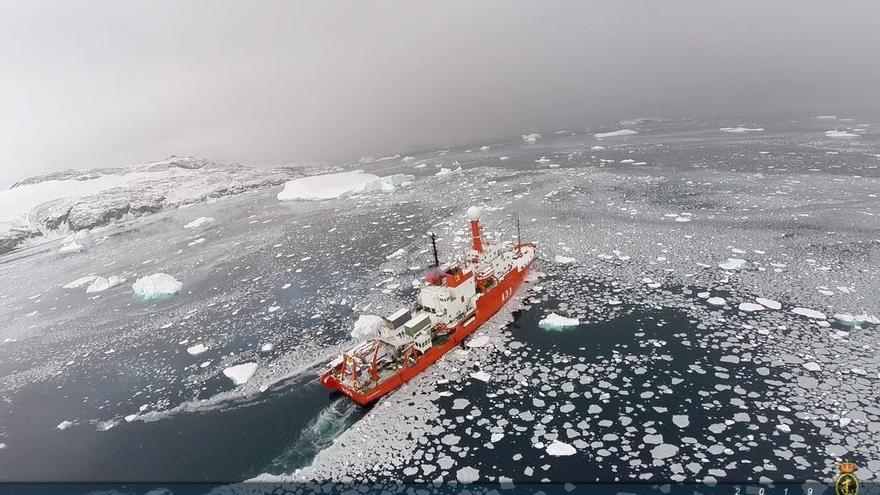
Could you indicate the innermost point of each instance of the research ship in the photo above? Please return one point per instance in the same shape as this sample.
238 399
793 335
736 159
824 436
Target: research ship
453 301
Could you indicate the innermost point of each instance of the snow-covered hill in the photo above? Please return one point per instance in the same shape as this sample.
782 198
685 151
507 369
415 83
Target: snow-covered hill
75 200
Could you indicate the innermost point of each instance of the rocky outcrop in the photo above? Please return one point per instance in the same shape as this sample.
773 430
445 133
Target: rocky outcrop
10 238
148 188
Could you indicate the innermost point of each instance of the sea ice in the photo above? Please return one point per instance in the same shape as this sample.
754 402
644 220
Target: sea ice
840 134
79 282
447 171
197 349
681 420
621 132
156 286
742 129
467 475
768 303
558 449
732 264
101 284
198 222
531 138
750 307
481 375
563 259
716 301
664 451
809 313
554 321
812 366
240 373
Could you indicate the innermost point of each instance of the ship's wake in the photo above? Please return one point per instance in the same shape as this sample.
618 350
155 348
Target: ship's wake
318 434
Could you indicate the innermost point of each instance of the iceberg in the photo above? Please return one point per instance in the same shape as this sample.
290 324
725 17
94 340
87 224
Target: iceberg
240 373
340 185
156 286
554 321
73 247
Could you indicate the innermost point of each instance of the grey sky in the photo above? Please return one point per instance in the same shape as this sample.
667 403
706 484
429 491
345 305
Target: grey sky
103 83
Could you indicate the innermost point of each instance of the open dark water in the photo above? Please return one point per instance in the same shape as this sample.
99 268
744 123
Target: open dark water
641 351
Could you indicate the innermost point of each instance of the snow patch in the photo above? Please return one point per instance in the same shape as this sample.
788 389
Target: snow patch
367 327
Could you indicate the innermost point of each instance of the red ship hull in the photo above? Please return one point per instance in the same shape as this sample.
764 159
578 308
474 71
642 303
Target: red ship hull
487 305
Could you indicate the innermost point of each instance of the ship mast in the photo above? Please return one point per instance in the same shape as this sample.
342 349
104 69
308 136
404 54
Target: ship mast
518 236
434 248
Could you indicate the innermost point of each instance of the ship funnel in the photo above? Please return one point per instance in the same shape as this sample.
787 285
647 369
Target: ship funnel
474 213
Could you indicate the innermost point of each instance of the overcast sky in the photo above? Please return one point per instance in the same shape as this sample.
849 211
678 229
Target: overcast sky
106 83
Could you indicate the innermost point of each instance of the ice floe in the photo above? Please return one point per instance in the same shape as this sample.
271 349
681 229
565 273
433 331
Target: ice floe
741 129
79 282
554 321
621 132
809 313
840 134
197 349
156 286
558 449
101 284
732 264
750 307
768 303
198 222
